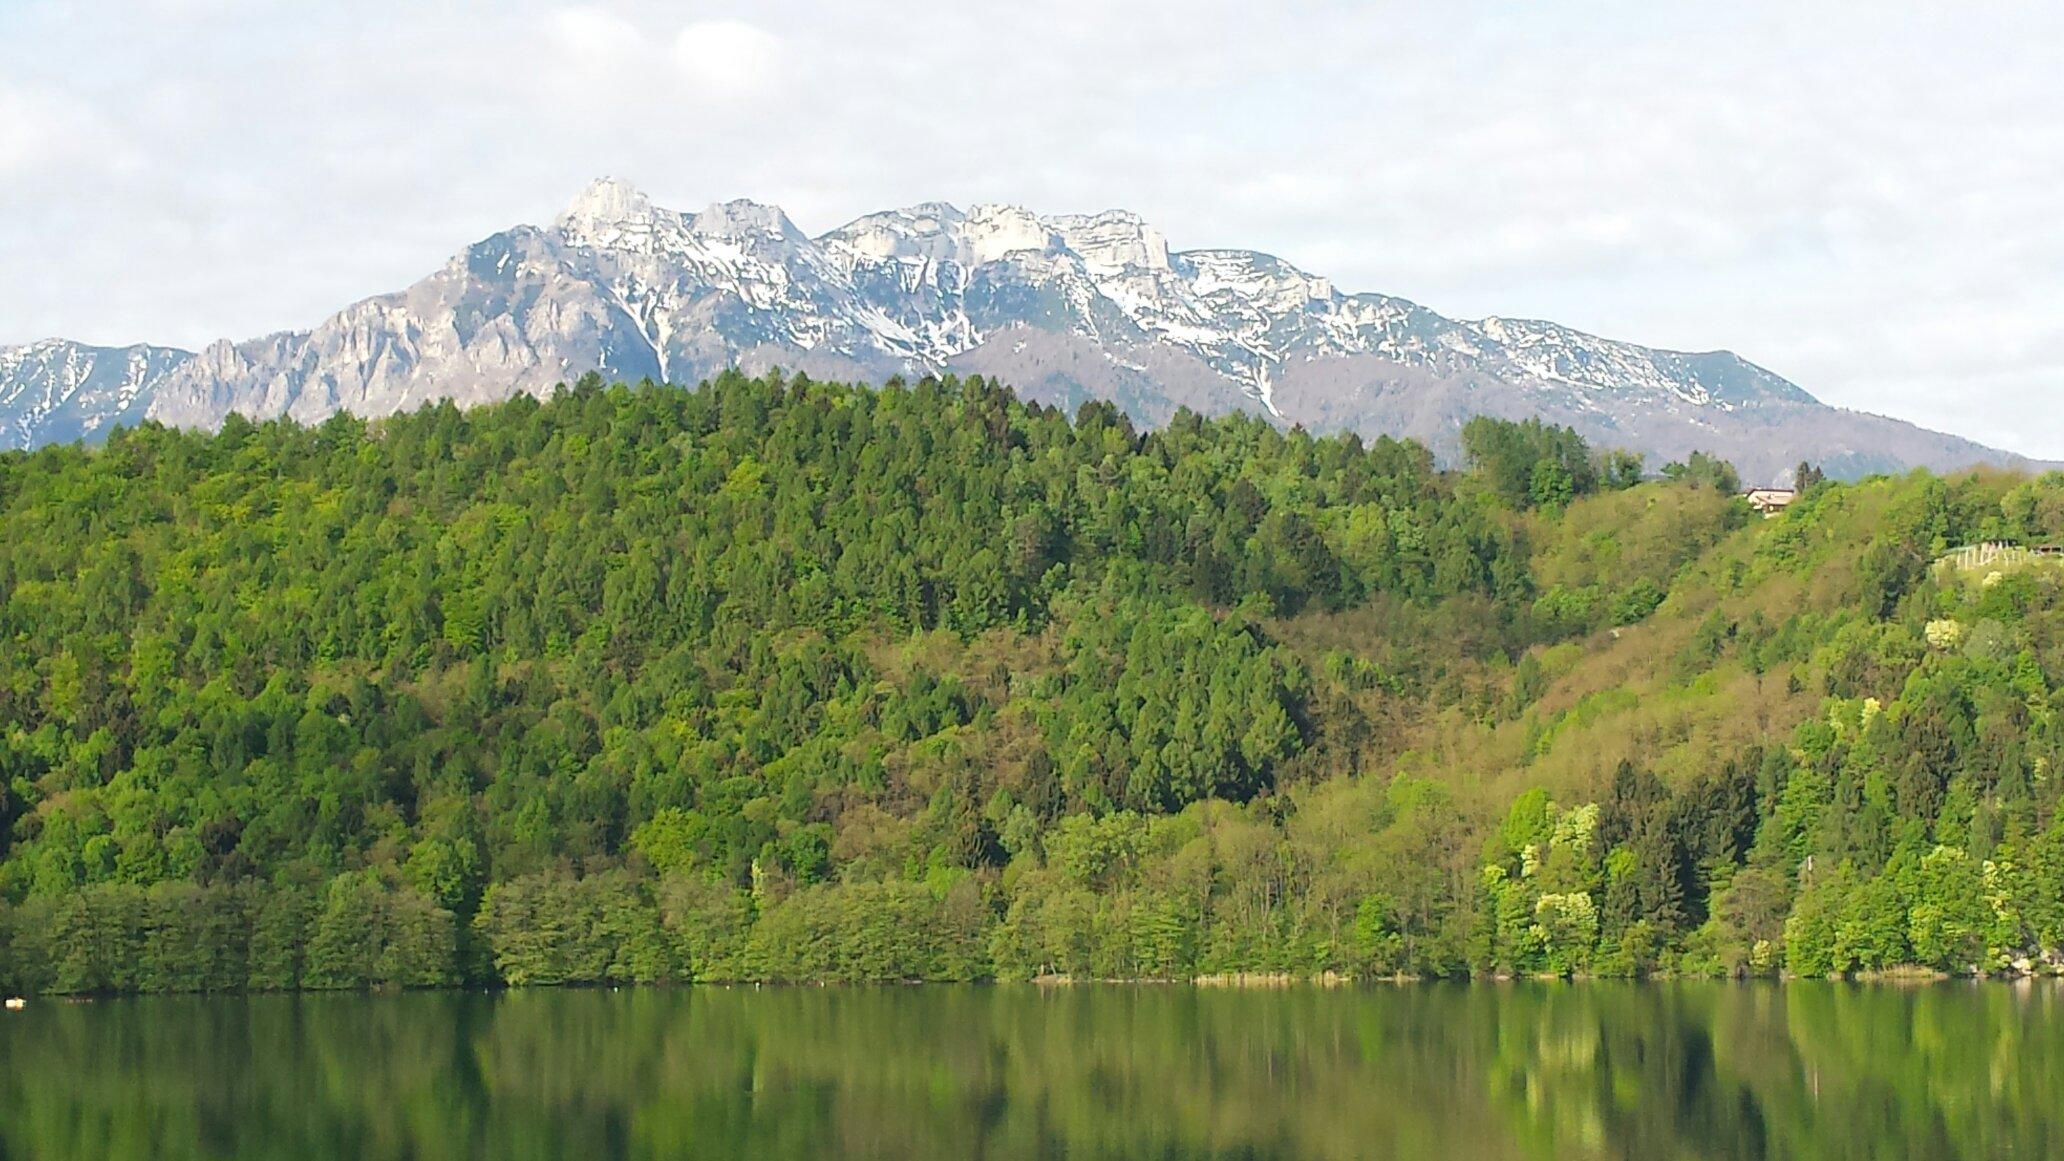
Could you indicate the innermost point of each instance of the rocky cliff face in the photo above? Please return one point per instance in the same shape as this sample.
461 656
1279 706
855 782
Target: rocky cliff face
56 390
1063 308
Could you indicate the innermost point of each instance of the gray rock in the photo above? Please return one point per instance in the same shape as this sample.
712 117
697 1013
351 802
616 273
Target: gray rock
1063 308
56 390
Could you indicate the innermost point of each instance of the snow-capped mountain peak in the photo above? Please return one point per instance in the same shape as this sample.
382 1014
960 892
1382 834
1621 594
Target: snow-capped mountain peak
993 232
607 204
55 389
1063 308
1114 240
746 220
927 232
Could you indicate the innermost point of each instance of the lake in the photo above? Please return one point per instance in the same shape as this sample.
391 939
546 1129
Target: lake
1459 1070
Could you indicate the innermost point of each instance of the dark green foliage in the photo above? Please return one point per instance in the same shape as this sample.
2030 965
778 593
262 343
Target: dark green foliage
372 933
549 929
1704 470
780 679
282 920
1619 469
1535 465
1160 707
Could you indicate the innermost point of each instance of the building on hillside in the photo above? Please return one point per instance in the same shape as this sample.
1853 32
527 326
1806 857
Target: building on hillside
1769 501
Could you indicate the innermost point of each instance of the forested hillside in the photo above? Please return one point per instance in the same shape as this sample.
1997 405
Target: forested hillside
777 679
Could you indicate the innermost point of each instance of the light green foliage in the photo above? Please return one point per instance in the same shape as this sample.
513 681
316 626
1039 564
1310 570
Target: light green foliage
549 929
871 932
781 679
371 933
1567 931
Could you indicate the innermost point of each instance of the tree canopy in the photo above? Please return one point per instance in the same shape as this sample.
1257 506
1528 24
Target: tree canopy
779 679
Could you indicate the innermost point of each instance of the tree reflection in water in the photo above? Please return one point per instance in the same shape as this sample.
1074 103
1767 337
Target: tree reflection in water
1479 1070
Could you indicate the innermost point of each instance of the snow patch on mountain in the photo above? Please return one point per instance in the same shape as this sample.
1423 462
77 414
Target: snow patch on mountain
57 390
1083 305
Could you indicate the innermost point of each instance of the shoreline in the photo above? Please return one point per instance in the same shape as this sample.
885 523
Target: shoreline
1229 981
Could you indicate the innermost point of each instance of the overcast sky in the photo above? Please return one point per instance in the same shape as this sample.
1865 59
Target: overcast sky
1868 199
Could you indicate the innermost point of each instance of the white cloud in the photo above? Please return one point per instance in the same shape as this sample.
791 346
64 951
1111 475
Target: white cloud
594 38
200 9
41 130
601 60
728 56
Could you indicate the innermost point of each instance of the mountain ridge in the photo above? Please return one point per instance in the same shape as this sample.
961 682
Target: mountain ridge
1065 308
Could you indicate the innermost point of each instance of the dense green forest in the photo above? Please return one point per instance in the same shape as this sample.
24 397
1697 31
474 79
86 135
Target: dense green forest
776 679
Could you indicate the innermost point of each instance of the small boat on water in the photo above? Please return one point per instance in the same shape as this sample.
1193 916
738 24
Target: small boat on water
16 1003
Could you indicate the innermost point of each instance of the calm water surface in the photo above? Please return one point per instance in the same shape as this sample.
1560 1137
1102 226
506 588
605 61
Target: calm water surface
1472 1071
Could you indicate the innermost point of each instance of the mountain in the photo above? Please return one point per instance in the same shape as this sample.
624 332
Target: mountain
55 390
1064 309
